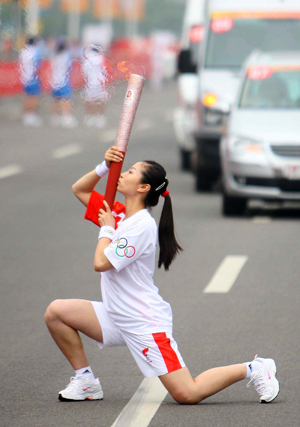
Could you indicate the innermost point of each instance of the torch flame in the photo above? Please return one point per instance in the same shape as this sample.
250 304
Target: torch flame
128 68
125 67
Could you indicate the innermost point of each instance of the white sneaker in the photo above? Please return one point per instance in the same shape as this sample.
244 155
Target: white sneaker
81 388
69 122
32 120
265 381
100 121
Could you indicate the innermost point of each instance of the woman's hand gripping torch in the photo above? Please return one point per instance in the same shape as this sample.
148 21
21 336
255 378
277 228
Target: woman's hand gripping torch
130 105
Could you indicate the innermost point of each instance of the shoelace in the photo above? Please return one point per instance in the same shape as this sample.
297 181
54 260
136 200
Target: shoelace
72 382
258 383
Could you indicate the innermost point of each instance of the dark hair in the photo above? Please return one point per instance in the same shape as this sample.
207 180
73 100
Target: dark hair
155 175
31 40
97 49
61 46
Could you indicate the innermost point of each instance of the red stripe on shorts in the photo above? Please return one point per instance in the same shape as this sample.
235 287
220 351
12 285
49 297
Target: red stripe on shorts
167 352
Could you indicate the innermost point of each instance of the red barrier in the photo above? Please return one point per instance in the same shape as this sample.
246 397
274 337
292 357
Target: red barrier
137 58
10 83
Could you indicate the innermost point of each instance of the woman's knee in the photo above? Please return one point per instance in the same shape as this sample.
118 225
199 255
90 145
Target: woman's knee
181 386
185 396
53 310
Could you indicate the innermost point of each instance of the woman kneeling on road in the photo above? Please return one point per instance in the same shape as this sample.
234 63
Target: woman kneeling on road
132 312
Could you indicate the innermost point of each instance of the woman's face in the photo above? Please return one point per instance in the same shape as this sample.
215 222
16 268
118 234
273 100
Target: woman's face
130 182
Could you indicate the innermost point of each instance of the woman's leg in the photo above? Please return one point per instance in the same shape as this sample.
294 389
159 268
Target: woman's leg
184 389
64 318
31 103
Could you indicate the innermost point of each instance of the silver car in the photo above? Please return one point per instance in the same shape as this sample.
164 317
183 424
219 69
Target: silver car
260 154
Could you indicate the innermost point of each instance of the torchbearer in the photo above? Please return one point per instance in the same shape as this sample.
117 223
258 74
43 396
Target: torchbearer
133 313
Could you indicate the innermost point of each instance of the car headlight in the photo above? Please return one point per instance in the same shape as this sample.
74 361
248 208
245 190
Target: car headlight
215 111
244 146
209 99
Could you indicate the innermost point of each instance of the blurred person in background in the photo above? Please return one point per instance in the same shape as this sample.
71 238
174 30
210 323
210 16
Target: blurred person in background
29 62
95 94
61 66
162 57
156 54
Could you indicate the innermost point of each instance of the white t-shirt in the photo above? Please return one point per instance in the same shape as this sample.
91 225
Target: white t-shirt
129 294
94 69
95 75
29 62
61 68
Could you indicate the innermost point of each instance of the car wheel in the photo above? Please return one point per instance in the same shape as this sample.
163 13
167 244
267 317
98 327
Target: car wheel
233 206
185 159
204 181
205 176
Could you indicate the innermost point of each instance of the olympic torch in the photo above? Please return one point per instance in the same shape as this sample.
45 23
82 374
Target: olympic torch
130 105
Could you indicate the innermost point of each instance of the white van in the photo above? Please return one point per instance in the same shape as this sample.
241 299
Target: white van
233 29
184 113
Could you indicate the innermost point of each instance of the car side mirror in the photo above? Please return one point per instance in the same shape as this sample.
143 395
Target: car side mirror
185 63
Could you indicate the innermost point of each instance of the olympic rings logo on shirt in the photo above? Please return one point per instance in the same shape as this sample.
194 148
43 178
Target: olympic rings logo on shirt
122 245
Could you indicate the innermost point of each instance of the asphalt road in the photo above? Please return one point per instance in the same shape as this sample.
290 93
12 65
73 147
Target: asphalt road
47 253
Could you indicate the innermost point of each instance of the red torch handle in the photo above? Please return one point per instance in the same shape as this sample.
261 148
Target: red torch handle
112 182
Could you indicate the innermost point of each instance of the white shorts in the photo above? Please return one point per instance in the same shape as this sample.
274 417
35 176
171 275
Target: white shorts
155 354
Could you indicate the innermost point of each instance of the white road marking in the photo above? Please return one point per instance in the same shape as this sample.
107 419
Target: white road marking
66 150
226 274
261 219
108 135
144 124
10 170
142 407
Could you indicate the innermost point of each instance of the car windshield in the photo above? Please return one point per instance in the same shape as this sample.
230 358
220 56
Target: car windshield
279 90
231 41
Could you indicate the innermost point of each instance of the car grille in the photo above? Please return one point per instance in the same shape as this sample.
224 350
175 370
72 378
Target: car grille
211 118
286 150
290 186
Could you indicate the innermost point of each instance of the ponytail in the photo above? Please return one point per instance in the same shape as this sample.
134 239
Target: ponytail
168 244
155 175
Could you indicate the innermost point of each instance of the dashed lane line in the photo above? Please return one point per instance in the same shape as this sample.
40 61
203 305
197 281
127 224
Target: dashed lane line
262 219
227 273
144 124
66 151
108 135
142 407
10 170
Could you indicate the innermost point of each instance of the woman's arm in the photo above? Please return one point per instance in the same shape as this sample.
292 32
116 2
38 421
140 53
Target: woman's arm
101 263
105 218
84 187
